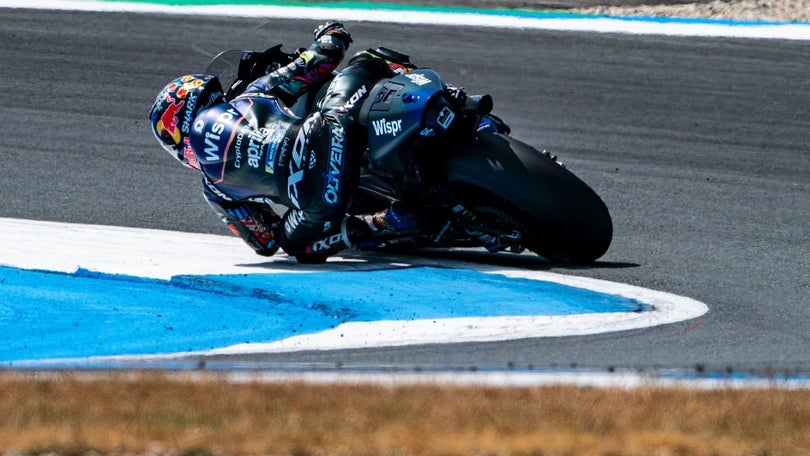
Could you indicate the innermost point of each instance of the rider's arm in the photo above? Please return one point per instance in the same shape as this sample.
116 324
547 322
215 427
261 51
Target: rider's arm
312 67
254 222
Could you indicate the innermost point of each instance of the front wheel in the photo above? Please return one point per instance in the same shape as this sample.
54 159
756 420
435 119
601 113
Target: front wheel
518 229
512 185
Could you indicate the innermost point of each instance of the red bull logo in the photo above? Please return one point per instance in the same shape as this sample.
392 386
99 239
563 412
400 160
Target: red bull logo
178 94
190 157
169 120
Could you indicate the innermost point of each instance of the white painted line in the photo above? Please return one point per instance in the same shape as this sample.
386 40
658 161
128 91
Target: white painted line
517 378
156 254
523 379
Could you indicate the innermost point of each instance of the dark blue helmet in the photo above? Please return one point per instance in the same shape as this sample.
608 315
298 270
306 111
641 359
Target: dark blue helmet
174 111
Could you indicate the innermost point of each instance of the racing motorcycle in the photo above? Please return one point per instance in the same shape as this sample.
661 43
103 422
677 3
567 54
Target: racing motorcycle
468 187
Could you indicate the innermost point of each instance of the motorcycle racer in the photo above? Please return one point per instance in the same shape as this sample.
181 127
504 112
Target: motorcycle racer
252 150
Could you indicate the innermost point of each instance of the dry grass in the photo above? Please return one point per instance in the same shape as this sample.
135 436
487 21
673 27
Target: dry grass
151 413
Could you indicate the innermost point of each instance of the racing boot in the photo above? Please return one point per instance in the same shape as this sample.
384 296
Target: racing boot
393 221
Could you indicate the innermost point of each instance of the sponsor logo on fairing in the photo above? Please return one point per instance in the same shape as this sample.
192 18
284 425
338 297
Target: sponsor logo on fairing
385 127
335 166
418 79
445 117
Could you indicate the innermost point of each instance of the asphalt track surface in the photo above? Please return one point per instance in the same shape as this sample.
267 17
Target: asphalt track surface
697 145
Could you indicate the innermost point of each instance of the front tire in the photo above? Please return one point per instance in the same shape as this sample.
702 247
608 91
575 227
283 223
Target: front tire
565 220
500 215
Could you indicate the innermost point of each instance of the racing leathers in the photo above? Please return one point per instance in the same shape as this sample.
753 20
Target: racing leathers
252 151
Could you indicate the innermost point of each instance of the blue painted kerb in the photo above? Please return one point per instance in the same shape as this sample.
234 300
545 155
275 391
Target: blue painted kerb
48 315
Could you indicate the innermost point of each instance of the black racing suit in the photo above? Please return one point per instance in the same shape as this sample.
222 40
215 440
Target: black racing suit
252 150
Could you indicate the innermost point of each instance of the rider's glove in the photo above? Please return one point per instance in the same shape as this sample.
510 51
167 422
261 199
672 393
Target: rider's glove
256 224
335 29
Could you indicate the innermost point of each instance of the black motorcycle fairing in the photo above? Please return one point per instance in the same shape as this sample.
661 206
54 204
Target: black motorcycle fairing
400 113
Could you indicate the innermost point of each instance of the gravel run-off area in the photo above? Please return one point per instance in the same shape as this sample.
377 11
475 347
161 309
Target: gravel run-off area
752 10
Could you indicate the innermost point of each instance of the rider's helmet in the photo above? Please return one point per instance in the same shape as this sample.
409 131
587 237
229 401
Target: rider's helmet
175 108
